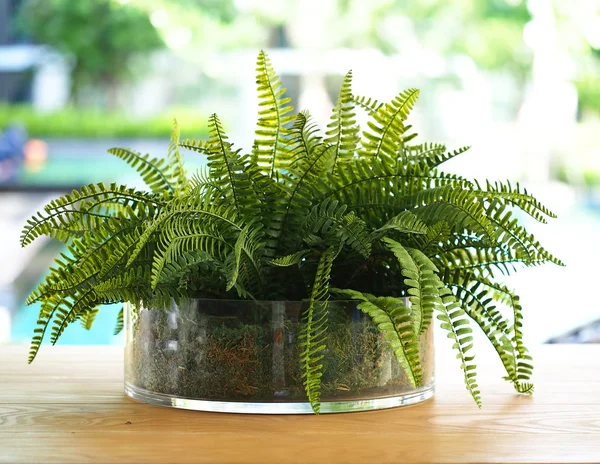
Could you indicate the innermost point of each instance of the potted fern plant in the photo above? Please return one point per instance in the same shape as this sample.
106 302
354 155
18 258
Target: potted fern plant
303 276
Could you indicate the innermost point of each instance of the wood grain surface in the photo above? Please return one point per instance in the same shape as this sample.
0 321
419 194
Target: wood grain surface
69 407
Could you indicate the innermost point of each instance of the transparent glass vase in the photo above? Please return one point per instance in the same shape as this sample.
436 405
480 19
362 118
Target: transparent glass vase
244 357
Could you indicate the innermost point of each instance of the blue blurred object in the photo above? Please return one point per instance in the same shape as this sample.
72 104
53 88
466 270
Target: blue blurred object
12 143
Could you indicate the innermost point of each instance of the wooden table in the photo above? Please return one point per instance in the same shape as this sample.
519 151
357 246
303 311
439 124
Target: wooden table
69 406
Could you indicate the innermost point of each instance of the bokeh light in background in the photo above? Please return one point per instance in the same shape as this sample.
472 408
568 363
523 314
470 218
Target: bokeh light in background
519 80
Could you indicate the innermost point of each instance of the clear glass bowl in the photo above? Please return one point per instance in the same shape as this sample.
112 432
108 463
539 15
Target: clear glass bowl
243 356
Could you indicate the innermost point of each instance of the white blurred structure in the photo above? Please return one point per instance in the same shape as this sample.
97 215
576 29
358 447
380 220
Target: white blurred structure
4 325
51 79
51 72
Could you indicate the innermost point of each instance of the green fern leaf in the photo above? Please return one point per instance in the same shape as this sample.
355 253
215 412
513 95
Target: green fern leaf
394 321
246 257
479 295
385 137
458 208
68 313
484 260
175 161
59 213
47 312
314 331
370 105
405 222
514 236
176 270
308 162
185 208
453 320
436 233
183 237
152 170
227 170
289 260
120 323
430 286
422 283
304 140
342 130
88 317
329 219
431 155
274 119
380 189
505 193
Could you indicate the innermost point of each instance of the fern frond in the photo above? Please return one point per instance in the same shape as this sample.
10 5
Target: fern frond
47 312
313 334
227 170
120 323
505 193
479 306
176 270
186 208
394 321
405 222
119 250
289 260
422 283
370 105
224 163
484 260
342 131
93 257
329 218
274 119
430 286
153 171
88 317
202 184
458 208
382 188
133 286
514 236
453 320
431 155
436 233
299 191
70 311
479 294
185 237
524 361
247 253
304 139
175 161
59 213
387 128
197 145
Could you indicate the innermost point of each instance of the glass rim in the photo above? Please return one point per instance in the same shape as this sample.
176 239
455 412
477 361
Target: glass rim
231 300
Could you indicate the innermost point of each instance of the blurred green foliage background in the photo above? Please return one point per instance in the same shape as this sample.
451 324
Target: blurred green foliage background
517 79
103 38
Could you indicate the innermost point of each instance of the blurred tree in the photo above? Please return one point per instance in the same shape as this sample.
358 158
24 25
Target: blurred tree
579 30
588 92
490 32
99 36
203 25
222 10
